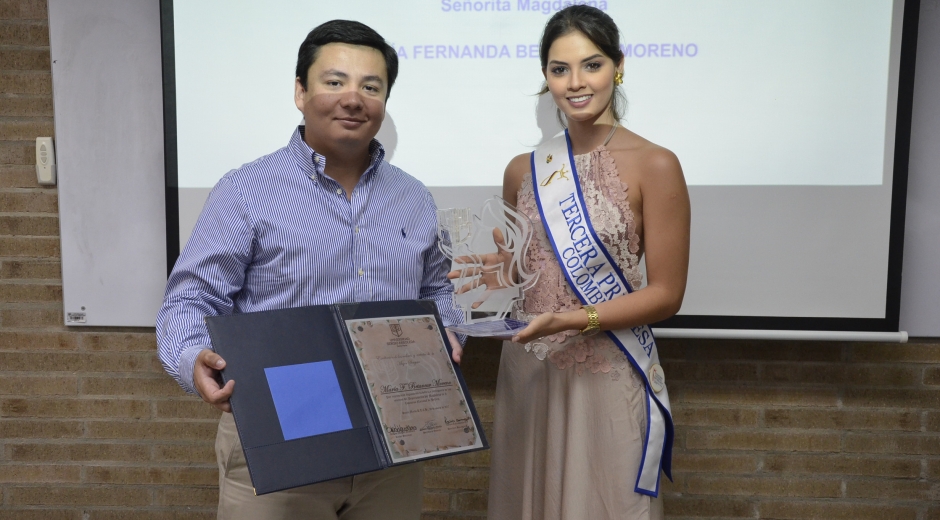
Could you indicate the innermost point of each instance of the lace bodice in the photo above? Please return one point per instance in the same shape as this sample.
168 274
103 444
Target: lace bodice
605 197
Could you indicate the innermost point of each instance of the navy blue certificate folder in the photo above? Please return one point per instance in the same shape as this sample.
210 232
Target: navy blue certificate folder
302 401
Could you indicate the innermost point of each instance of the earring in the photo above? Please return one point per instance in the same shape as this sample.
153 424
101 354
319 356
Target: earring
618 78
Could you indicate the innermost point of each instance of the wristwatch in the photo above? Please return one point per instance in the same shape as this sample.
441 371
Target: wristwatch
594 324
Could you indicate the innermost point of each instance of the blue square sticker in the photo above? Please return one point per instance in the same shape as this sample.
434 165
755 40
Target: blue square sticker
307 399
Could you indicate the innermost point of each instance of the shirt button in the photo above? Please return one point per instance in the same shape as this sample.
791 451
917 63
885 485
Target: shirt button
361 272
339 191
357 229
316 160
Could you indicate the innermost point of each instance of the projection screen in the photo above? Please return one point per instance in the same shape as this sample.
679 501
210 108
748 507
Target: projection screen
784 114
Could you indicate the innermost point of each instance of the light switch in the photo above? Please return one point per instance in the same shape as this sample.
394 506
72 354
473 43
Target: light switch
45 161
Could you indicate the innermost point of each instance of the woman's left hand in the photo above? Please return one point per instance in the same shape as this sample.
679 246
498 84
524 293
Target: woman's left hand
545 324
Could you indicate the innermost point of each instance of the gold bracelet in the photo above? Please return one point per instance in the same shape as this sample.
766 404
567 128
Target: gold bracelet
594 323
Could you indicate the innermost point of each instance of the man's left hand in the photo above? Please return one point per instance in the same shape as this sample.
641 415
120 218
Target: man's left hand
455 347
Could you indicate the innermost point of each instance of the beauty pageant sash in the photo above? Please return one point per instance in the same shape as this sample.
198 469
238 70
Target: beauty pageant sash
595 278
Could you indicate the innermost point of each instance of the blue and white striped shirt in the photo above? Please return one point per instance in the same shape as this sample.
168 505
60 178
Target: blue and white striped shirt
278 233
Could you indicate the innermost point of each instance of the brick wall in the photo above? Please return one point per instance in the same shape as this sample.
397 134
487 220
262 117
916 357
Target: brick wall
771 430
90 427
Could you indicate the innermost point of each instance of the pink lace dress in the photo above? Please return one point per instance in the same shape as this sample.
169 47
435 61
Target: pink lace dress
570 415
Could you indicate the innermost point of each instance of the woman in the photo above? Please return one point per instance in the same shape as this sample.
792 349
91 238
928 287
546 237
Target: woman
571 408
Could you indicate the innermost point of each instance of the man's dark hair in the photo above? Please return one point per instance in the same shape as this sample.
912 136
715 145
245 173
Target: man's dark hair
349 32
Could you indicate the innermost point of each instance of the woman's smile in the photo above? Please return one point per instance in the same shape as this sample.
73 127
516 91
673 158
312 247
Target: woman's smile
580 101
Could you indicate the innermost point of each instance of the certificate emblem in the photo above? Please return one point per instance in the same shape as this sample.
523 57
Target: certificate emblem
396 329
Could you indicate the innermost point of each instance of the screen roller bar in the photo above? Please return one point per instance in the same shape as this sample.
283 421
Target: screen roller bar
798 335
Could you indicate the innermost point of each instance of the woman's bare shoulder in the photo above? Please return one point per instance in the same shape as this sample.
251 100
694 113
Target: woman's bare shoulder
516 170
654 162
661 161
518 166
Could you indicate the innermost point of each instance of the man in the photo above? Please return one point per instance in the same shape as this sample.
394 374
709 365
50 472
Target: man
323 220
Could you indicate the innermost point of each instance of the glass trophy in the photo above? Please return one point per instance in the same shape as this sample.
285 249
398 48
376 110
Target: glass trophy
488 252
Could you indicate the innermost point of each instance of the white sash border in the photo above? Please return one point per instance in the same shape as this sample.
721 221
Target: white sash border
602 281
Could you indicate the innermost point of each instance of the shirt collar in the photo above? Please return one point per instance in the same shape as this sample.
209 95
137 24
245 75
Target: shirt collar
313 163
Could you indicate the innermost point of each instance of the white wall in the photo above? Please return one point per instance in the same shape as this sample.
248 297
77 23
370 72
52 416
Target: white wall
920 289
107 90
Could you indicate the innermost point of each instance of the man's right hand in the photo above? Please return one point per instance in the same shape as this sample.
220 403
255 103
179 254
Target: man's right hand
206 380
492 270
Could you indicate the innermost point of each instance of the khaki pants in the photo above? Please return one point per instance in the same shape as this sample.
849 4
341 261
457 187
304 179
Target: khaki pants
393 494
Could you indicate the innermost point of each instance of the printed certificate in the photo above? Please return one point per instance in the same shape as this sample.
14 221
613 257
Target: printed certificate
419 401
343 389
